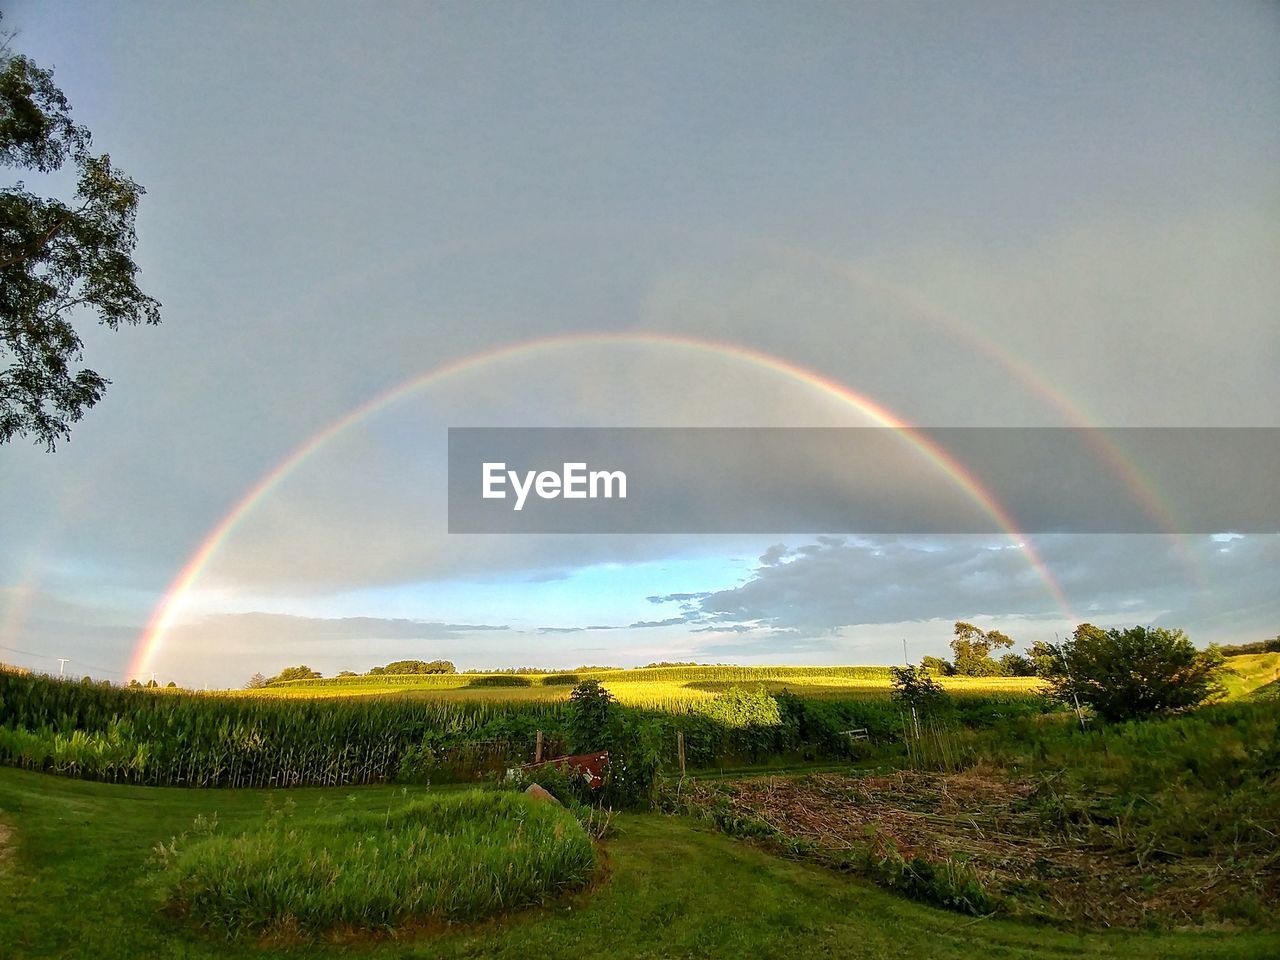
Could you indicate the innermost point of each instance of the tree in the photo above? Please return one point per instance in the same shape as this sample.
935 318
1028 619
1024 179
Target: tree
1016 665
256 682
1041 656
1134 673
914 687
972 648
942 668
295 673
57 258
415 667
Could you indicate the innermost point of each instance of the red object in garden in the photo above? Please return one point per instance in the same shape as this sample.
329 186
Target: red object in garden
590 766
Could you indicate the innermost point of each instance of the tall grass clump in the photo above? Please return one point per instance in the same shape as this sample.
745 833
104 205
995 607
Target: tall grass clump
452 857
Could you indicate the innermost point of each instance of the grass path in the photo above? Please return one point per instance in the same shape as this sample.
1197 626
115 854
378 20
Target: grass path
74 883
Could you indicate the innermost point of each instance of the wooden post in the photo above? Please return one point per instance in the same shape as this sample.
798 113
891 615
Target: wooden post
537 750
680 749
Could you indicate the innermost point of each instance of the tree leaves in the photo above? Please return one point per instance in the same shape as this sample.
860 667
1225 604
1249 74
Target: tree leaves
57 259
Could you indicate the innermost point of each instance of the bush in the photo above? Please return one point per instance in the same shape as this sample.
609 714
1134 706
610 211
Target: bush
947 883
1134 673
914 687
754 718
459 856
589 710
635 753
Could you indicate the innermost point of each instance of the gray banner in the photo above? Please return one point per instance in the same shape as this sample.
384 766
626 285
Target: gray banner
869 480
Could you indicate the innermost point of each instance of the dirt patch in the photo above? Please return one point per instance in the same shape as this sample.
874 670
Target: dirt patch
1034 865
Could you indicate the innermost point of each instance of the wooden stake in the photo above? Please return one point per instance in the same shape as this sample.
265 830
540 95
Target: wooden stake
537 750
680 749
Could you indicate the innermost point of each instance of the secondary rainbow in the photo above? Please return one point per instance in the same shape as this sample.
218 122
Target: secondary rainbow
170 604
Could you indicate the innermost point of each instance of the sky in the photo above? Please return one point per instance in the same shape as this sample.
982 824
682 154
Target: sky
976 214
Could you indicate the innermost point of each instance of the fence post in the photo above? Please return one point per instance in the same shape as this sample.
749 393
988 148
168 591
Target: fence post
680 749
537 750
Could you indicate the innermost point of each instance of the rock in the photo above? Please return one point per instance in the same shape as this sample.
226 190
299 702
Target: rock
538 793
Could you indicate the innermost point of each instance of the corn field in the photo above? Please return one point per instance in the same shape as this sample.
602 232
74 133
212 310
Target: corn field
372 729
132 736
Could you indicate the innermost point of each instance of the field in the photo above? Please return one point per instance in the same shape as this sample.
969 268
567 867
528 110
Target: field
1004 828
1250 672
75 881
673 689
1160 822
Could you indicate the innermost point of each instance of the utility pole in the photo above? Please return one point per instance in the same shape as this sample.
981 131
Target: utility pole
905 661
62 663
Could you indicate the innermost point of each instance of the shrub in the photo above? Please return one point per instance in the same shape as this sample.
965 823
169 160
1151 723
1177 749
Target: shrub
1134 673
914 687
589 710
947 883
635 752
754 718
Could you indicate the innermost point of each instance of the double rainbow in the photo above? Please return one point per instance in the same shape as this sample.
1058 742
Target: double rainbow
166 612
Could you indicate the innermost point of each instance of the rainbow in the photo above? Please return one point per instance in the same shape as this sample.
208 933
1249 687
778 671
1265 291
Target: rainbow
1143 490
167 609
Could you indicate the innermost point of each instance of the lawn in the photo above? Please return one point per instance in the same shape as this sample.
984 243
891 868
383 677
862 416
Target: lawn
75 882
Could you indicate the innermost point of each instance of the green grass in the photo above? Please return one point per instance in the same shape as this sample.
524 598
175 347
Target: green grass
1249 672
75 882
448 856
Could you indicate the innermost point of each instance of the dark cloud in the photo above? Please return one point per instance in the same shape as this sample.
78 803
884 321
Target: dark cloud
825 586
773 555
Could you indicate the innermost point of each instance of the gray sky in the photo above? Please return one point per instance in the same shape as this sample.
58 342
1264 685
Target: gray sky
976 214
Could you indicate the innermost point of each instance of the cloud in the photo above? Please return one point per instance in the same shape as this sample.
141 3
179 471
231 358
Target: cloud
669 622
574 629
676 597
824 587
286 629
